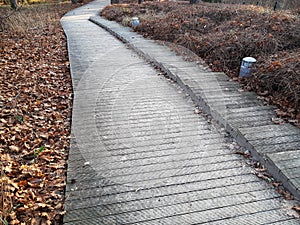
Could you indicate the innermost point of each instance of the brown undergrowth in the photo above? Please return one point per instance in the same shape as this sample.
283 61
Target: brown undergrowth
223 35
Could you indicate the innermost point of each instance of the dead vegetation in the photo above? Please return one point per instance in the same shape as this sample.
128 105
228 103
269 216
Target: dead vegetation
223 35
282 4
35 112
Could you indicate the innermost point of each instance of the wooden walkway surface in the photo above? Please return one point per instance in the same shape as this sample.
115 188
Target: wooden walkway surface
140 154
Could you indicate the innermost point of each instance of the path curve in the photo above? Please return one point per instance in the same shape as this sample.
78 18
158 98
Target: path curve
139 153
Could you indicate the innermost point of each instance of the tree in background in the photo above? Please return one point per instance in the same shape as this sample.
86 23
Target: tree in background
13 4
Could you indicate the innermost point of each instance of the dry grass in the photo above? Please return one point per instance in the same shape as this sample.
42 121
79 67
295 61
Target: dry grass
31 17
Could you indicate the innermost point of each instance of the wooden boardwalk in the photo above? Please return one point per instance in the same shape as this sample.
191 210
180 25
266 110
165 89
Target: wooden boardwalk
140 154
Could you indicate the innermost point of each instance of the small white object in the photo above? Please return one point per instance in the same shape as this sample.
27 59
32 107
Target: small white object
245 70
135 22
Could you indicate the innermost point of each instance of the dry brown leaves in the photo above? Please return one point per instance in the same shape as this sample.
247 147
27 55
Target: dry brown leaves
224 34
35 112
36 96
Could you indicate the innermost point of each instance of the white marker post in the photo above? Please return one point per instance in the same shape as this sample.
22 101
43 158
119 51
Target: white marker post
245 70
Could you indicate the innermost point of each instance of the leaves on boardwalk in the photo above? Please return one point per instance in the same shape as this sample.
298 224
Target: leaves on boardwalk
297 208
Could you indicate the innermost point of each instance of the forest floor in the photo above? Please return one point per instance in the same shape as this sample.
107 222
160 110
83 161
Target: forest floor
222 35
35 116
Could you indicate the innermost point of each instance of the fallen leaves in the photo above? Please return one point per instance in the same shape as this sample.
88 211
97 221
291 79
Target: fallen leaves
35 111
296 208
278 121
197 111
246 154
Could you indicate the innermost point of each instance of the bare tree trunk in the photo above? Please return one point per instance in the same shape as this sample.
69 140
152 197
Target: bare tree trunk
114 1
13 4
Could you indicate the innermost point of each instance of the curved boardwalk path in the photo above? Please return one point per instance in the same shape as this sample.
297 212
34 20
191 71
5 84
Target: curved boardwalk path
140 155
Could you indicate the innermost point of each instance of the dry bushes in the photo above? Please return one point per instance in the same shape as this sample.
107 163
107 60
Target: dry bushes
279 75
224 34
282 4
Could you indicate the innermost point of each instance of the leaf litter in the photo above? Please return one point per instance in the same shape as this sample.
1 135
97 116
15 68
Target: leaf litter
35 114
